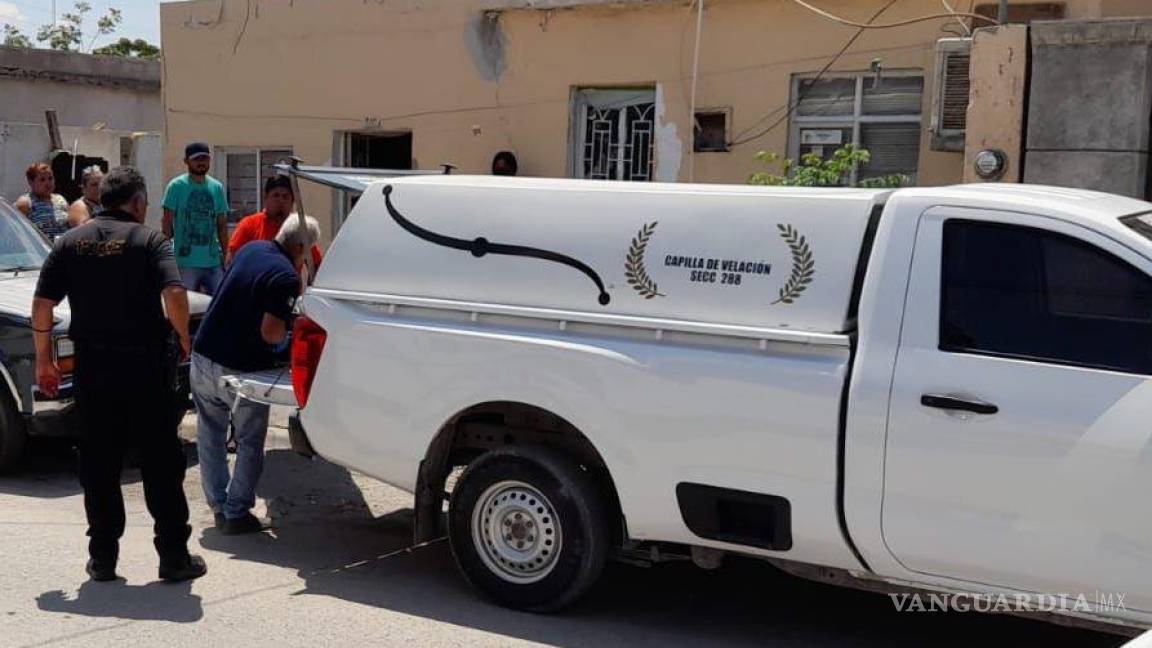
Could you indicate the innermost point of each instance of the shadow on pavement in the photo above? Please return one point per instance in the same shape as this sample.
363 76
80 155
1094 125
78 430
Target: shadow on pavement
49 470
324 529
156 601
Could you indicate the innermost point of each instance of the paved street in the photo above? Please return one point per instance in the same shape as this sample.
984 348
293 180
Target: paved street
336 572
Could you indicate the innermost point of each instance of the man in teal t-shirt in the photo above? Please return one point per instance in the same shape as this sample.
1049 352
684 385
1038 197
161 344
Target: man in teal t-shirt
196 219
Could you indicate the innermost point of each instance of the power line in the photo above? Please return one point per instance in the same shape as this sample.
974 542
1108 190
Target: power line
824 70
902 23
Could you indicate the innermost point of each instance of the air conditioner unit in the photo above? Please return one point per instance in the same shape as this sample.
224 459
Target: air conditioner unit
950 101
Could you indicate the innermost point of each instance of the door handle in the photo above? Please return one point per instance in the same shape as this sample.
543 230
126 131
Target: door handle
953 403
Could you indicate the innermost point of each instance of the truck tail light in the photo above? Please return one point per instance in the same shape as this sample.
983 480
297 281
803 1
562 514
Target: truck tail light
308 339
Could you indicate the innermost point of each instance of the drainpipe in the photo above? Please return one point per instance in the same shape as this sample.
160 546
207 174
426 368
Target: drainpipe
692 103
1003 16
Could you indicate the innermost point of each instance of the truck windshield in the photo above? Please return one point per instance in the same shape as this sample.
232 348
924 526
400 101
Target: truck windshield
22 246
1139 223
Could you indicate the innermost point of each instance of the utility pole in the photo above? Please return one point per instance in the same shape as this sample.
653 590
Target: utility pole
1003 17
53 12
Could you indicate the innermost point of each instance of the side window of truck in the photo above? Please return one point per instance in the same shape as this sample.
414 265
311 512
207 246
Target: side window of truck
1028 293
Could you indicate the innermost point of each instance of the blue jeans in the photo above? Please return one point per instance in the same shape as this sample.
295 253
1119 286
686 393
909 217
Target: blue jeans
231 495
205 280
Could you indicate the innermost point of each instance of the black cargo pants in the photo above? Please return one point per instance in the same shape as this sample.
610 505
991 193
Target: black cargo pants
124 399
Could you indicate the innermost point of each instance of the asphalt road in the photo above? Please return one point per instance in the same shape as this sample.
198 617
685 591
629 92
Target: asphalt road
337 571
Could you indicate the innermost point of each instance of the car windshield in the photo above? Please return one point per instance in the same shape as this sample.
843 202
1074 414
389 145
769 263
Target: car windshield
22 246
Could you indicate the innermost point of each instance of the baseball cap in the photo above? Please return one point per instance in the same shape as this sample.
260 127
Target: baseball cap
196 149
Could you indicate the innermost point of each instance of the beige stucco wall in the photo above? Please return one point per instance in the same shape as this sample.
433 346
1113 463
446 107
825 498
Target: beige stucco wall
996 107
295 72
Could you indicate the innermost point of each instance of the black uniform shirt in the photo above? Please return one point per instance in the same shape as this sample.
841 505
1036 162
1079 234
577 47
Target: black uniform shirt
112 270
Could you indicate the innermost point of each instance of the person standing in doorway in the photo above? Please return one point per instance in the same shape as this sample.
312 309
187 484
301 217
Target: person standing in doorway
88 207
196 219
115 273
264 225
47 209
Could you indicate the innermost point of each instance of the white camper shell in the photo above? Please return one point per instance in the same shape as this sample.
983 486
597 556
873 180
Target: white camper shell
876 388
728 259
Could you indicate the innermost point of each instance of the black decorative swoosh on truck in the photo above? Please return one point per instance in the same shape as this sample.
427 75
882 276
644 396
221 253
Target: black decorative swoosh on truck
480 247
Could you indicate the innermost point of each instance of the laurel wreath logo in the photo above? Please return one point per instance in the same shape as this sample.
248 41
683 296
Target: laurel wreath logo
634 270
803 267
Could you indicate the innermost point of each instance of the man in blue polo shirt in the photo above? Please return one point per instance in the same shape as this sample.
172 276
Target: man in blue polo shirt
249 316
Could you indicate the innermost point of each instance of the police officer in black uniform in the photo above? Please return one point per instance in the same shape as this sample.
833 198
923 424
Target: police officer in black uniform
114 272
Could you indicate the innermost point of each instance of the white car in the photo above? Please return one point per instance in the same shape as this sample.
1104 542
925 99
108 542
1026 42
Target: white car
940 389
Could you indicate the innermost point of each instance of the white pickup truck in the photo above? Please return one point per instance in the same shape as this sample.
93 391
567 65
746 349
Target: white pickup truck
943 390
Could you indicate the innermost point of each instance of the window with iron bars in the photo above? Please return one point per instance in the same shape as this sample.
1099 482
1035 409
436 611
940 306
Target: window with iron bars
614 134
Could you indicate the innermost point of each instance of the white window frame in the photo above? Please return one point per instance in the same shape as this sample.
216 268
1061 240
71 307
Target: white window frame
857 118
583 98
220 166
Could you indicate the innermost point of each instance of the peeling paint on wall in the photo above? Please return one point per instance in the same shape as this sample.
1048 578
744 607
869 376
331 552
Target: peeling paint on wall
669 148
486 43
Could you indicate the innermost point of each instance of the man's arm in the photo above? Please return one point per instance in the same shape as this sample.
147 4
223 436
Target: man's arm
222 234
23 205
173 293
176 307
77 213
166 223
279 298
47 373
273 329
244 233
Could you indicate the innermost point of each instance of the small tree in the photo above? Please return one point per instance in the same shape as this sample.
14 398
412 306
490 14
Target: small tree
129 48
68 33
13 37
815 171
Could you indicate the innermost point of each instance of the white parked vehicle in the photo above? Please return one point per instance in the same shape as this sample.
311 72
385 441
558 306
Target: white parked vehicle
941 389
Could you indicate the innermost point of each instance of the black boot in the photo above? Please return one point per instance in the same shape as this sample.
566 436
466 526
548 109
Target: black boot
248 523
101 571
176 564
103 555
188 568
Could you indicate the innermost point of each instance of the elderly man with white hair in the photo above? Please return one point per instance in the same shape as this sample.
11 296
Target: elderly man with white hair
249 318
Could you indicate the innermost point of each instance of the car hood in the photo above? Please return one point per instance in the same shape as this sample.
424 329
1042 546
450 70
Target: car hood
16 295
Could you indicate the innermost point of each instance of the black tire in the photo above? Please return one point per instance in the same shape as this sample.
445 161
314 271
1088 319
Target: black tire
13 434
573 510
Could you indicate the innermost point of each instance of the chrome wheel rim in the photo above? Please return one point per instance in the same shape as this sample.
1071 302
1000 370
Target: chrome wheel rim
516 533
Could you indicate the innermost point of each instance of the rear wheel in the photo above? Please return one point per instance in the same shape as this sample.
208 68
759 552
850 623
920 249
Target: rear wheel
13 434
528 527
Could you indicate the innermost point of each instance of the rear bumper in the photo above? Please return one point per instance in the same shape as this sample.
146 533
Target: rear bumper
298 437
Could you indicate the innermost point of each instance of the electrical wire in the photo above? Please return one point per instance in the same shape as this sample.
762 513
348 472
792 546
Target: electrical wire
963 25
737 141
243 28
902 23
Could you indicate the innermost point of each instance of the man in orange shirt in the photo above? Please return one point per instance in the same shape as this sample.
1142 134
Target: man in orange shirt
263 226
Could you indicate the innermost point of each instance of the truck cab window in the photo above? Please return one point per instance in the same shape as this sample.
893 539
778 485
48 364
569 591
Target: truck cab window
1028 293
